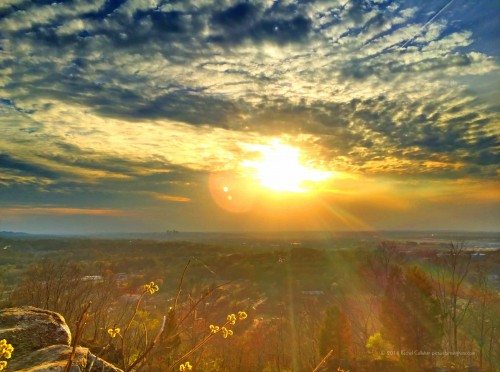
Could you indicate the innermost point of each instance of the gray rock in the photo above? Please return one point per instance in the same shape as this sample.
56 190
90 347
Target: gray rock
29 328
51 358
41 341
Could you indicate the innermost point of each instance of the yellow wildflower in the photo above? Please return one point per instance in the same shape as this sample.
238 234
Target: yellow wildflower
231 318
214 328
151 288
226 332
3 365
6 349
185 367
113 332
242 315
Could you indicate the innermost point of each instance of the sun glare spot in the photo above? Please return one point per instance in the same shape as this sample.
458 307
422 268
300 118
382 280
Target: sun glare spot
279 168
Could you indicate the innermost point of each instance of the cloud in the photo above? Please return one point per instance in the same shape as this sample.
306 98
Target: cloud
61 211
247 21
9 163
126 97
171 198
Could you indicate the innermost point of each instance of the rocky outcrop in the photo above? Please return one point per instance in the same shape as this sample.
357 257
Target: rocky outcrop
41 341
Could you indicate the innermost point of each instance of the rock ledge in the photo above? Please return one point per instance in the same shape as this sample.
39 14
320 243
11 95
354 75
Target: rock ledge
41 341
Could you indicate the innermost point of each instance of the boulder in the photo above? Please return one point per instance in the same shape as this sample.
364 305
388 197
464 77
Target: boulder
41 341
51 358
29 329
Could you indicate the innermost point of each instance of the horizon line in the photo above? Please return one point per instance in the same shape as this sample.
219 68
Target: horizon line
173 232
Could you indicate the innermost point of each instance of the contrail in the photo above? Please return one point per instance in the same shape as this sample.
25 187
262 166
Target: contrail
427 23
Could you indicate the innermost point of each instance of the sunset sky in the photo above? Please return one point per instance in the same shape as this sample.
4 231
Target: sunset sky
147 115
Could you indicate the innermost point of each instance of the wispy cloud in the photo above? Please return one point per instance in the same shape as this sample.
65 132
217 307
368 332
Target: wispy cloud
171 198
63 211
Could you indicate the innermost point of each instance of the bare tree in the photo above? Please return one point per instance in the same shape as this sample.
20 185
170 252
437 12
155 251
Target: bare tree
64 287
386 255
455 265
363 315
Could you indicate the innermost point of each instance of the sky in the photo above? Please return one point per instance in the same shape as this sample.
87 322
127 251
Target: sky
198 115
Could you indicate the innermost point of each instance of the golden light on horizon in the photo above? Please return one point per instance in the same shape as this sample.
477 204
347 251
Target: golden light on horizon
280 168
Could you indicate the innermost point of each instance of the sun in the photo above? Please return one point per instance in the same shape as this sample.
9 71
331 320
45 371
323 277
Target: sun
279 168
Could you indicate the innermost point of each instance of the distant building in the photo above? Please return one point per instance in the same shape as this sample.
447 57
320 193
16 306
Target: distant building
92 278
478 255
313 293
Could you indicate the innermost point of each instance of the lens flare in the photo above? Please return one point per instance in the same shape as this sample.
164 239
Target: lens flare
232 192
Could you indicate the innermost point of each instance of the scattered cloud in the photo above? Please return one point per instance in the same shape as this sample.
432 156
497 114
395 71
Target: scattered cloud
135 98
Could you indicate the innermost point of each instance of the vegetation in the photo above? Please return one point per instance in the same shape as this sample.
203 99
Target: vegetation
267 306
6 351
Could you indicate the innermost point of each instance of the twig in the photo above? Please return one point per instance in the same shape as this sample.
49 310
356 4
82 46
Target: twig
197 346
143 356
323 361
79 330
96 356
180 284
186 316
193 307
122 336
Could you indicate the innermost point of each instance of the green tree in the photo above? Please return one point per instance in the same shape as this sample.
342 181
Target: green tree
377 346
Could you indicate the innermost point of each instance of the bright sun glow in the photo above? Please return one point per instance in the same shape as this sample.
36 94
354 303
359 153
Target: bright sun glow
279 168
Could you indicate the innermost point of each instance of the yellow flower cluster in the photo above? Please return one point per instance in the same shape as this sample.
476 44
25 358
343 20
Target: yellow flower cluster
242 315
6 351
185 367
226 332
231 319
151 288
113 332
